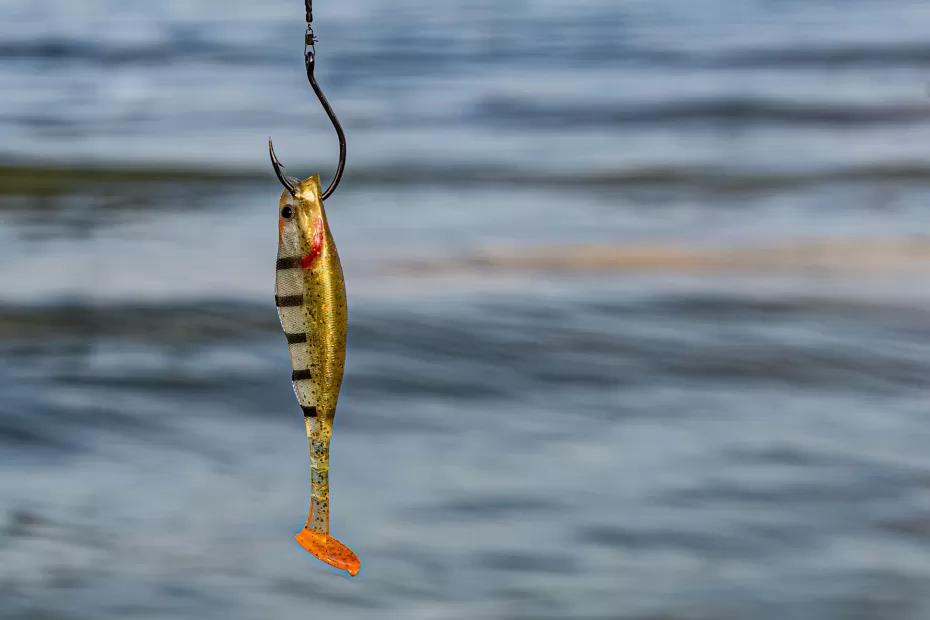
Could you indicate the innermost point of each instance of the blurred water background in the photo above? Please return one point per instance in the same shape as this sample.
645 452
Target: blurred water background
639 316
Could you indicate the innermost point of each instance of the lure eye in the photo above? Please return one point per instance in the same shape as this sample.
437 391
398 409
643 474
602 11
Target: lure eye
287 212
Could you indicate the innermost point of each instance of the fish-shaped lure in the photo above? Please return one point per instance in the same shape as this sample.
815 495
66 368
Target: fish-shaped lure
310 294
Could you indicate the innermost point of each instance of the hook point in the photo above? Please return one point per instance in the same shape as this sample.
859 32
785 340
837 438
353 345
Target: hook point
288 183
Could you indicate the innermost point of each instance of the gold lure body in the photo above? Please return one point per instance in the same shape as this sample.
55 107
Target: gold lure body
310 294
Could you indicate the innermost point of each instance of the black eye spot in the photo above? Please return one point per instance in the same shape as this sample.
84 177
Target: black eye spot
287 213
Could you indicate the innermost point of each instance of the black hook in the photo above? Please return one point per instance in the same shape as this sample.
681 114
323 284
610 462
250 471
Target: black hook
289 183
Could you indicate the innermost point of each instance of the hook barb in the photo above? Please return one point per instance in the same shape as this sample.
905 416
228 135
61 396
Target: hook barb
288 183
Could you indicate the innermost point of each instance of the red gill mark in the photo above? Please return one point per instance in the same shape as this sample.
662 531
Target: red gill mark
316 245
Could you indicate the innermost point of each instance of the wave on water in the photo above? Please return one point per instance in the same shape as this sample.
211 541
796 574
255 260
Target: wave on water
24 178
745 110
802 56
139 370
167 323
409 50
859 257
97 52
45 179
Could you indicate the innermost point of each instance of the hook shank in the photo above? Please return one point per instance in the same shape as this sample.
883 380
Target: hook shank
289 183
341 166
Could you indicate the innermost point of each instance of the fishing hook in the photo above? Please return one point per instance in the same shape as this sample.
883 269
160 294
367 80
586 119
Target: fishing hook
290 183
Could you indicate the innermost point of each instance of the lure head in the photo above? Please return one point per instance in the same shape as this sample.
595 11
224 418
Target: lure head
302 222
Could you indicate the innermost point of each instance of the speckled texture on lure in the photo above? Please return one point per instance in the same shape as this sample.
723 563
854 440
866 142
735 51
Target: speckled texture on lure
311 298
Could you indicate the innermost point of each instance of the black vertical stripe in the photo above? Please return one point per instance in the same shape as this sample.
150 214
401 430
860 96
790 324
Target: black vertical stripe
292 262
301 375
295 338
309 412
288 301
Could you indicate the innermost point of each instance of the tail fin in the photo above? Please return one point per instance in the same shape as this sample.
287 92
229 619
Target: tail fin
327 549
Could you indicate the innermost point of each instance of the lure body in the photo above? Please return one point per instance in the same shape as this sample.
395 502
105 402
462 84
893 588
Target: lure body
311 299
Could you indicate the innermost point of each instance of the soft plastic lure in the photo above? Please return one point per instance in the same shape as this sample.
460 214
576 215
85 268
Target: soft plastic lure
310 294
311 297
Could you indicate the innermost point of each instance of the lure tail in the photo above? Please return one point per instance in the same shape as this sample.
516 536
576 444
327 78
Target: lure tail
328 549
315 537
